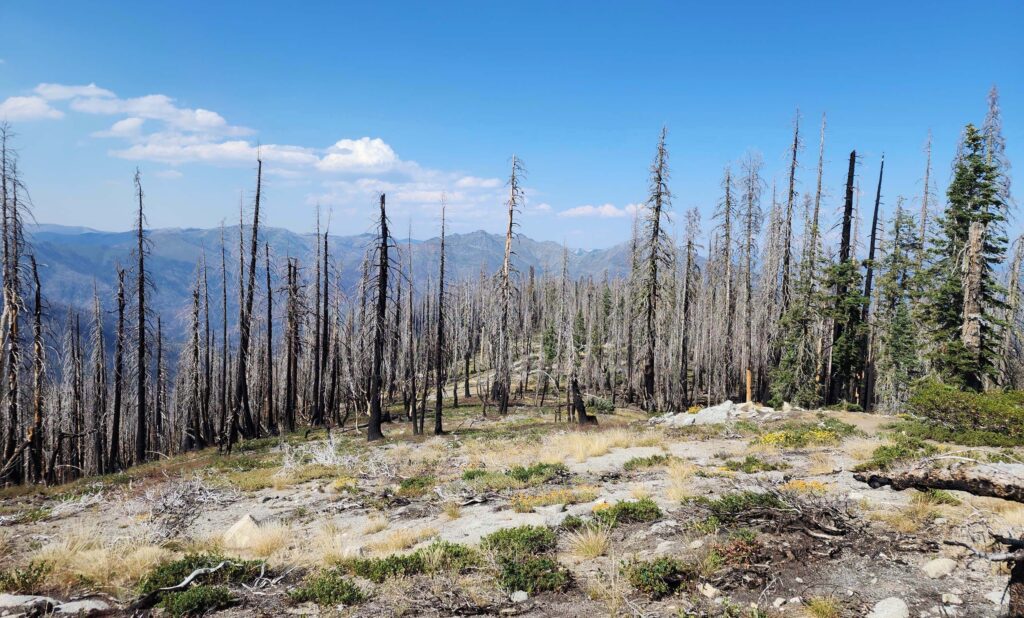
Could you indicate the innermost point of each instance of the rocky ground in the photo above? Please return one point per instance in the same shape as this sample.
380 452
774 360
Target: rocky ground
737 511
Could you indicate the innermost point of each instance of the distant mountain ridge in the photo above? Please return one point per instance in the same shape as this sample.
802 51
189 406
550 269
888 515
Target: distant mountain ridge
74 260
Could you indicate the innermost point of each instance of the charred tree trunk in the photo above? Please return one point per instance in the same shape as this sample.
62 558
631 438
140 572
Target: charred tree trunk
373 431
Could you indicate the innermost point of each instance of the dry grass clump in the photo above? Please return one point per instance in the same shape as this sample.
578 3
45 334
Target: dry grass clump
582 445
375 524
85 556
589 542
525 503
820 463
453 510
824 607
1008 513
401 539
332 545
861 449
679 473
273 537
909 519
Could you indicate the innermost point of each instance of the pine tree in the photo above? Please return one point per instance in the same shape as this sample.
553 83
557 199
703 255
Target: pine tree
965 304
897 363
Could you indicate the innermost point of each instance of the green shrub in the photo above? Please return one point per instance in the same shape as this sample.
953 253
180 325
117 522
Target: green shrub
172 573
416 486
750 465
902 448
572 522
600 405
659 577
730 506
197 601
640 510
378 570
328 588
537 473
977 414
929 430
794 434
438 556
473 473
646 462
532 574
521 541
25 579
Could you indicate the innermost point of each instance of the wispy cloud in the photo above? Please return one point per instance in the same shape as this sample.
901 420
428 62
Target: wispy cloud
604 211
28 108
347 173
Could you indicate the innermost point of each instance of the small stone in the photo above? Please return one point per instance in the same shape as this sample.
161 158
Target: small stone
696 544
892 607
799 580
940 567
778 602
709 591
795 601
996 596
664 527
26 603
949 598
519 596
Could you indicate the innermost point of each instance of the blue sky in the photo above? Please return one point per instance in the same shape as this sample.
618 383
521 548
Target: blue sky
416 98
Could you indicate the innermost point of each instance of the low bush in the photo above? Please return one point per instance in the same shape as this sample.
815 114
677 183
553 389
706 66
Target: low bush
520 541
173 573
644 509
533 575
26 579
730 506
651 461
971 418
826 431
902 448
600 405
197 601
659 577
416 486
537 473
436 557
328 588
525 503
750 465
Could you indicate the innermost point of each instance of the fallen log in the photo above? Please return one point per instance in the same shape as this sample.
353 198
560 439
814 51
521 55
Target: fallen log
994 480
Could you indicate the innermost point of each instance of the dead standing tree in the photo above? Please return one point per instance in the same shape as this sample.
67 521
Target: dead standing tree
373 429
503 344
659 255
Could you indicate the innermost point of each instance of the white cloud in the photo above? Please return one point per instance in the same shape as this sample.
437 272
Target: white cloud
158 107
472 182
363 154
604 211
28 108
129 127
62 92
169 174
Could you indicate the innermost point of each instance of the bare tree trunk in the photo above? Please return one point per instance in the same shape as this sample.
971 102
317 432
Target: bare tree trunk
271 415
114 461
866 377
373 430
973 268
35 434
140 352
439 362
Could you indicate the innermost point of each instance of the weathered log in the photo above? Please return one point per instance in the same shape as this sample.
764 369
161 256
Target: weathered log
998 480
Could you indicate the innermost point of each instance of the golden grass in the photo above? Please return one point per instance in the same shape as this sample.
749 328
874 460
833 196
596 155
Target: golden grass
590 542
85 557
331 545
860 449
375 525
1007 513
452 510
820 463
824 607
639 491
909 519
401 539
273 537
582 445
679 474
802 486
525 503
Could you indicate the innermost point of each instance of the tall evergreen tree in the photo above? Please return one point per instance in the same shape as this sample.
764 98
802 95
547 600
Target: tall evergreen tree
897 362
966 303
